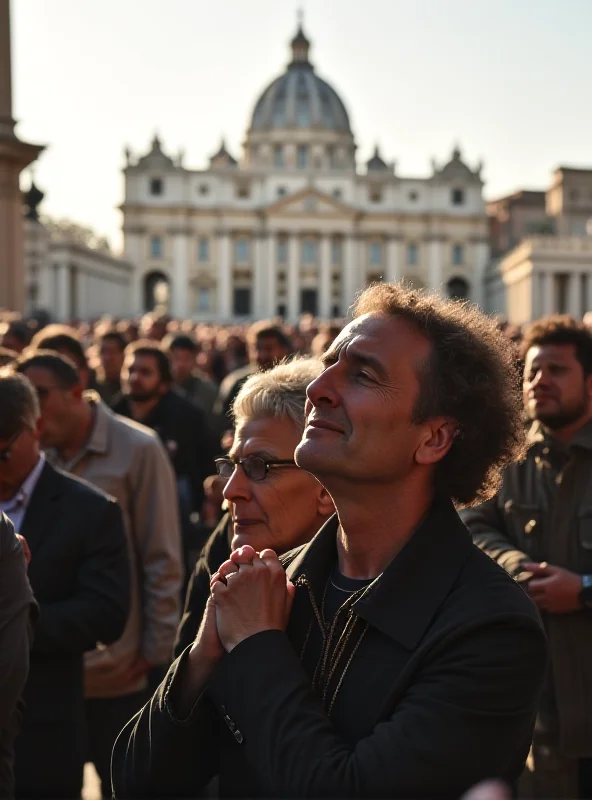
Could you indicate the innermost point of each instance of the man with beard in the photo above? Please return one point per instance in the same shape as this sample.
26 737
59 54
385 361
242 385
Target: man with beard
539 528
181 426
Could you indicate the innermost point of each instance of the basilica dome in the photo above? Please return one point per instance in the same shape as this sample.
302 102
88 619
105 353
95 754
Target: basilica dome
299 98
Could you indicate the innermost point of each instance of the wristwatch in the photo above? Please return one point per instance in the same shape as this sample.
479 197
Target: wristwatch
586 591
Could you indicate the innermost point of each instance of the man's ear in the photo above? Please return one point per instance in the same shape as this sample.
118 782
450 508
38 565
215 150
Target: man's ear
325 506
436 441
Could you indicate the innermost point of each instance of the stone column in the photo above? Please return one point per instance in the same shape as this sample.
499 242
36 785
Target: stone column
325 283
62 300
260 299
393 269
435 259
224 287
133 243
293 278
547 293
589 292
350 281
574 295
179 299
14 157
271 276
481 261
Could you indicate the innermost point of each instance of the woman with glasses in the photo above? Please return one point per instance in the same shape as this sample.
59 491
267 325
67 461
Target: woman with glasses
273 503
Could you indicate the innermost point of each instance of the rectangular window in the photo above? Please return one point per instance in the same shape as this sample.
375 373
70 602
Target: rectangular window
375 195
204 250
309 252
156 247
308 302
331 156
376 254
282 251
412 255
458 255
336 252
278 155
302 156
458 197
242 302
203 299
156 186
241 251
243 191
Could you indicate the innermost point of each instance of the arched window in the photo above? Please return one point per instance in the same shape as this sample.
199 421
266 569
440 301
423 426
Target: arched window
458 289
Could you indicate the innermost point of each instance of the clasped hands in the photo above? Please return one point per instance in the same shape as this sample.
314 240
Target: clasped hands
249 594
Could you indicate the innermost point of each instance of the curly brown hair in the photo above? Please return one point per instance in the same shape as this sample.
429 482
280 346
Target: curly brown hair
560 329
471 377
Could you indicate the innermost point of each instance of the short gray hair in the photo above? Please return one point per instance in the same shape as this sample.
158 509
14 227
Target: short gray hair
280 392
19 406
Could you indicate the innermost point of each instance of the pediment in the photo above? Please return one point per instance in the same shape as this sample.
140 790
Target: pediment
307 202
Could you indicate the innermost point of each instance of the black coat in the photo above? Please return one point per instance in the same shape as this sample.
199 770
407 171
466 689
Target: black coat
215 552
17 614
80 575
439 693
187 437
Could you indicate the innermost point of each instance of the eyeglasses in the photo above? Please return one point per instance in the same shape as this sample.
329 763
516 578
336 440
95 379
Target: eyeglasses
255 467
6 452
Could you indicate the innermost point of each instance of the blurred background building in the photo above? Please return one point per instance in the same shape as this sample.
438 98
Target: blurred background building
295 225
541 245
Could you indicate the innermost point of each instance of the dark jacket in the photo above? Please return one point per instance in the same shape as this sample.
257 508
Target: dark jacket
79 572
17 614
436 688
216 551
543 512
187 438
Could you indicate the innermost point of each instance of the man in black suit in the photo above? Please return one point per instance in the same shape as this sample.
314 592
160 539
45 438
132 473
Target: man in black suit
391 658
79 572
17 613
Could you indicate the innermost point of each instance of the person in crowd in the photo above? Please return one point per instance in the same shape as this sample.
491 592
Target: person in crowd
112 346
18 612
272 503
80 575
268 345
64 340
189 381
392 658
181 426
7 356
84 437
17 335
539 529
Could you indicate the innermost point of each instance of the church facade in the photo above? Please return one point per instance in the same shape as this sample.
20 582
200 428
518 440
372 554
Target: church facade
297 225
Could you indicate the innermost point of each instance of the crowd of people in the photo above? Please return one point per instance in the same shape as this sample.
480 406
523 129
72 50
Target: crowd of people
241 560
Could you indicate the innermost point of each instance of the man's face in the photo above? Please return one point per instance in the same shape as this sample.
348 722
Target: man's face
142 376
18 456
268 351
281 511
556 392
112 357
360 408
182 363
56 405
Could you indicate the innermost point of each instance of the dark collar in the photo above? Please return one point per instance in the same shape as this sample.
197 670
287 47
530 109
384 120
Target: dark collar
404 599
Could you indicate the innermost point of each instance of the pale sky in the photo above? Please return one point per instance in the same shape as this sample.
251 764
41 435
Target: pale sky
509 80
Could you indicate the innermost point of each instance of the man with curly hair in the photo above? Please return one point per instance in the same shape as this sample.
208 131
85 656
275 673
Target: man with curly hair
391 658
539 528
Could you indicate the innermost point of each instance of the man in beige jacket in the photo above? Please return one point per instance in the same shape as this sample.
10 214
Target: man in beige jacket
83 436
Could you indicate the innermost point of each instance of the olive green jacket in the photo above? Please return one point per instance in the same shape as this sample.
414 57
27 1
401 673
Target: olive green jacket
543 512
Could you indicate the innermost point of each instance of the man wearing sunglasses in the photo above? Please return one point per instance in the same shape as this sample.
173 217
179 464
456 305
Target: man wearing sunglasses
80 575
388 657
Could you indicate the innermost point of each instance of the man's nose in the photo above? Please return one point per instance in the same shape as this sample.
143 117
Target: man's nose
237 486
